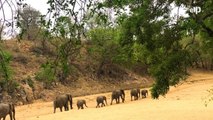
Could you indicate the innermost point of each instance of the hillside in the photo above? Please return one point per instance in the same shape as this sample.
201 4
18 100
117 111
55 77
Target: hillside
27 59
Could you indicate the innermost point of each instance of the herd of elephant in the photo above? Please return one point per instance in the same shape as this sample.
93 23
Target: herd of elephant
63 100
66 100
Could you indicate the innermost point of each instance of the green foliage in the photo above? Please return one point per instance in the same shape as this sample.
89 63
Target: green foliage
6 81
146 35
104 46
46 74
154 42
103 39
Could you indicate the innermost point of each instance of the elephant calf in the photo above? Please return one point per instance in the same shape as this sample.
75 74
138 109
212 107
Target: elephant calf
116 95
101 99
81 103
144 93
63 101
135 93
6 109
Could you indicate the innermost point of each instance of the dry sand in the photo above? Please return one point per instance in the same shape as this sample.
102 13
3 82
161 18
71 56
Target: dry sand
183 102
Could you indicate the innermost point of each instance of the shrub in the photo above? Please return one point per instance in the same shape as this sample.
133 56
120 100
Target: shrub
6 82
46 74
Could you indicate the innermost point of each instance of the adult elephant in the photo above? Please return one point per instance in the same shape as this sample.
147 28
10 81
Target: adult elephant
6 109
135 93
116 95
81 103
100 100
144 93
63 101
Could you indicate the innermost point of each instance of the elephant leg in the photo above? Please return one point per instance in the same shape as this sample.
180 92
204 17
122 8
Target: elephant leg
82 107
14 114
67 107
11 117
54 110
118 99
106 102
97 105
61 109
131 97
85 104
111 101
71 106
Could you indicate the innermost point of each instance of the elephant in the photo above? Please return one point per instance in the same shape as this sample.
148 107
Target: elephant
135 93
101 99
81 103
5 109
63 101
144 93
117 94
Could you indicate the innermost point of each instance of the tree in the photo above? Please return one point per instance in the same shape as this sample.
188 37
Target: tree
28 21
147 34
199 25
6 81
103 47
149 27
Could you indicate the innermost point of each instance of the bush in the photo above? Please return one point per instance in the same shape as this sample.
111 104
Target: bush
46 75
6 82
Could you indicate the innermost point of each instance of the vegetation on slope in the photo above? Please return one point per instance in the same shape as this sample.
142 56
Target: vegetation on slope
146 37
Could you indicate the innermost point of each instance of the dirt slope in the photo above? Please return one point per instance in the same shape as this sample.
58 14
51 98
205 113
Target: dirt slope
184 102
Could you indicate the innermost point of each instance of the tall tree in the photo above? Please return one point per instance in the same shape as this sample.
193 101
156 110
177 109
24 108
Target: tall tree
149 29
28 21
